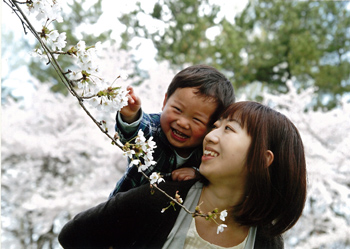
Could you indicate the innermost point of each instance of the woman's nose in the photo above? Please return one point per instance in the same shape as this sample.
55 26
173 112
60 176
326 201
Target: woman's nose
212 137
183 123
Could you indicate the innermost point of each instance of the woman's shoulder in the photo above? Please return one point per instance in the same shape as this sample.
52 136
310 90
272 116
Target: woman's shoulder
171 187
148 192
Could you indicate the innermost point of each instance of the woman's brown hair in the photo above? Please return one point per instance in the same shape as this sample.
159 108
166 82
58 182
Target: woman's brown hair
276 193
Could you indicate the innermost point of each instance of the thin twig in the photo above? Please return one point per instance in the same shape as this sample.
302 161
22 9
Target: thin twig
88 97
69 85
172 198
60 72
51 58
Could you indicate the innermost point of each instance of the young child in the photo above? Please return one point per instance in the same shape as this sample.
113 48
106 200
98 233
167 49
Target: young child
194 100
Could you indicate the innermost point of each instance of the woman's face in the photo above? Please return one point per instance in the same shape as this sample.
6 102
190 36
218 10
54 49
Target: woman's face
225 152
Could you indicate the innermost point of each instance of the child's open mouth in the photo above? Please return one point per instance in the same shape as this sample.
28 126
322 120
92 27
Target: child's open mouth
178 134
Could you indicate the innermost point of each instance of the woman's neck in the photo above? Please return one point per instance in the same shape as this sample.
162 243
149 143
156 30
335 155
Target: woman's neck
221 197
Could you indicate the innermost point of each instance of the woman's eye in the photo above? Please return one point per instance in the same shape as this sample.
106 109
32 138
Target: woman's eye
228 128
213 127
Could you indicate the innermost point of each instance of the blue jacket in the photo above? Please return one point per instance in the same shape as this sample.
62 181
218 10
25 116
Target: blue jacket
164 154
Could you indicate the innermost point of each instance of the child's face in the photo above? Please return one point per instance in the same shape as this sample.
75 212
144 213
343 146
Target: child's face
185 119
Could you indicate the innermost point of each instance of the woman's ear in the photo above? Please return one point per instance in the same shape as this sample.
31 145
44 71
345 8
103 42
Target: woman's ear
269 157
164 101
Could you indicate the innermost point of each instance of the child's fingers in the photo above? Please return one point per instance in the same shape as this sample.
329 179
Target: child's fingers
131 100
132 97
183 175
130 89
188 178
175 175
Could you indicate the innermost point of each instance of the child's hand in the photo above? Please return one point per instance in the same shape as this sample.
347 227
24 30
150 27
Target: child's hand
183 174
130 112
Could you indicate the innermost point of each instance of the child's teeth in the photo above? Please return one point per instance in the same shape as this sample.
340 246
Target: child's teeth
180 134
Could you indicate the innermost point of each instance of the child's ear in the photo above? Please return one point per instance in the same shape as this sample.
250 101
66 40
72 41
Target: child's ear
269 157
164 101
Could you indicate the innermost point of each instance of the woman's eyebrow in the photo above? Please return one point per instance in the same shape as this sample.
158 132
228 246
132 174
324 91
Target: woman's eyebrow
235 120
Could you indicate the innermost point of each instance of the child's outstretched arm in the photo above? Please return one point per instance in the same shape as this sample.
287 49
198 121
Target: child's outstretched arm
183 174
130 113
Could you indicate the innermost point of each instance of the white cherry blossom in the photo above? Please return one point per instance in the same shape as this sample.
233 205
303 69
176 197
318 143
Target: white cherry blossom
81 46
53 35
221 228
129 153
223 215
155 178
38 53
134 162
142 167
61 41
54 13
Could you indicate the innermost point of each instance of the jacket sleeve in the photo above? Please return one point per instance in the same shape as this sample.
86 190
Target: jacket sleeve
127 131
132 219
148 123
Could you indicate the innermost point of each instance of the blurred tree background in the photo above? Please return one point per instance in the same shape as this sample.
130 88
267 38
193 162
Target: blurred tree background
75 14
71 21
269 43
55 162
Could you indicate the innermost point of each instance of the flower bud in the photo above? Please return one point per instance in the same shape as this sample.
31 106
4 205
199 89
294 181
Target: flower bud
116 136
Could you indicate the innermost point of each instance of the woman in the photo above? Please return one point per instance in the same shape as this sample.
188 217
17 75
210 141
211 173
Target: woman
254 167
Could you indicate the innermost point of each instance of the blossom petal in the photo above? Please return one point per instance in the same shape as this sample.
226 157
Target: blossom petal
223 215
221 228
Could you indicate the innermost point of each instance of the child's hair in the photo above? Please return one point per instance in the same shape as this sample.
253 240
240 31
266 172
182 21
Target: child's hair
210 84
276 193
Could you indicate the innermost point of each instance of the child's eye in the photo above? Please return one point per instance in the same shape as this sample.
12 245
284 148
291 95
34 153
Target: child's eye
177 109
198 120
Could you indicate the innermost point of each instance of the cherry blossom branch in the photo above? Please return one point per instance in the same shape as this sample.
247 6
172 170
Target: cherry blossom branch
51 58
23 23
50 55
110 96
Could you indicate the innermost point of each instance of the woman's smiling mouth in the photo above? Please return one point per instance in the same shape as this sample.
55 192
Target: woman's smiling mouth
210 153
